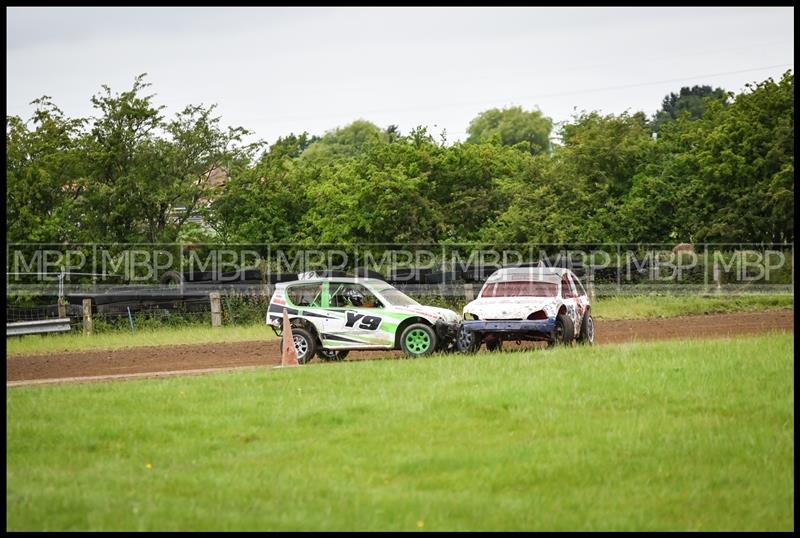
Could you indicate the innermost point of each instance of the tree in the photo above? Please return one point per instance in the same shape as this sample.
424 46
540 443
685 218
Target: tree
733 169
44 168
606 151
574 194
465 182
358 203
718 171
381 194
512 126
148 175
688 100
264 203
347 141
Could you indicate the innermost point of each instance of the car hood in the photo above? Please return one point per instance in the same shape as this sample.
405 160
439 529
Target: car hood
511 307
431 312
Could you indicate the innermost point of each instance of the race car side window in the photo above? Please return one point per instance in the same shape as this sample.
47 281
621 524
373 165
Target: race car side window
305 295
566 288
349 295
578 286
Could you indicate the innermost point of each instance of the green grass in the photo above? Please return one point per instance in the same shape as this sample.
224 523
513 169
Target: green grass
694 435
51 343
660 306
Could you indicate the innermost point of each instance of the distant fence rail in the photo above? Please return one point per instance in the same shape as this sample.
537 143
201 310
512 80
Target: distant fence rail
41 326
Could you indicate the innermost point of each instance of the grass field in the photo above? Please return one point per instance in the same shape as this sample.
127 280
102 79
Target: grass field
637 307
660 306
695 435
153 337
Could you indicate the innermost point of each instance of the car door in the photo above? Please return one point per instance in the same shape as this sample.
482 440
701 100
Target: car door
569 297
355 317
581 300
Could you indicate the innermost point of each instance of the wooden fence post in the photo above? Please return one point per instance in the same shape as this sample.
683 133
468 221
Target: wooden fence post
216 310
62 308
87 316
590 285
469 292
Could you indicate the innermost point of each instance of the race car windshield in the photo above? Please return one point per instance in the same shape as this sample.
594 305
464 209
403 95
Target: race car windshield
397 297
521 289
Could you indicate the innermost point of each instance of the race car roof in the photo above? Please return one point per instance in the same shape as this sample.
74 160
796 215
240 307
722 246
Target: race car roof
375 282
543 274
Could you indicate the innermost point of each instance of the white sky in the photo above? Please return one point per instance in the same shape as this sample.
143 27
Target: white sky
281 70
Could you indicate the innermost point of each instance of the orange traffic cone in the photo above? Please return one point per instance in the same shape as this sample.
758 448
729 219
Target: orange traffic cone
288 352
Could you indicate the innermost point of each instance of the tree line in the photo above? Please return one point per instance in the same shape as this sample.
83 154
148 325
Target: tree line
709 166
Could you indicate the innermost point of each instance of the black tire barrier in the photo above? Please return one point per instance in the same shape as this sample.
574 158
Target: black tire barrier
172 277
411 275
198 276
224 276
439 277
478 273
363 272
275 278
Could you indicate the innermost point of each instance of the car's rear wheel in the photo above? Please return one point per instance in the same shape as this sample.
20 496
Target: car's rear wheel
586 336
418 340
329 355
563 332
304 344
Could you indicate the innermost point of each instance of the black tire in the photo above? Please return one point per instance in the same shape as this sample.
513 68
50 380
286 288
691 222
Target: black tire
467 341
329 355
363 272
275 278
496 344
440 277
563 333
304 343
171 278
586 336
418 340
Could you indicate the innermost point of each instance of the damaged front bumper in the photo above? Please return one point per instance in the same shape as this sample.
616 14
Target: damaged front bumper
446 331
541 327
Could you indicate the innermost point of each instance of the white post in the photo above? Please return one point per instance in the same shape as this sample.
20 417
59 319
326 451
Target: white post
87 316
469 292
216 309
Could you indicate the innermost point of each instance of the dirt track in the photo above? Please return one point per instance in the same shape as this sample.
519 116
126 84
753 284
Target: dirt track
200 358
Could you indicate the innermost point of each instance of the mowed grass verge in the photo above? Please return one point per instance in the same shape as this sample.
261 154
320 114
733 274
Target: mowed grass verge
197 334
667 306
695 435
614 308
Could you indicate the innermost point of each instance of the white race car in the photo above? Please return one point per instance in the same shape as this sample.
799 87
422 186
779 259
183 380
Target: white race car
330 316
528 303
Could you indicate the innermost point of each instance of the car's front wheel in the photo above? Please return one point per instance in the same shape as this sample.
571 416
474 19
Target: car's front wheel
563 332
304 344
467 341
418 340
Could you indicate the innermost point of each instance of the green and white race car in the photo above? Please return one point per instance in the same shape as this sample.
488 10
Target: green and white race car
331 316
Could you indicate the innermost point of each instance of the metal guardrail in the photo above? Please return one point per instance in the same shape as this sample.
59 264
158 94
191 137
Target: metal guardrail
37 327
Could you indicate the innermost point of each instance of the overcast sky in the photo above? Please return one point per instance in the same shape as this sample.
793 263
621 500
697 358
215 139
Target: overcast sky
282 70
